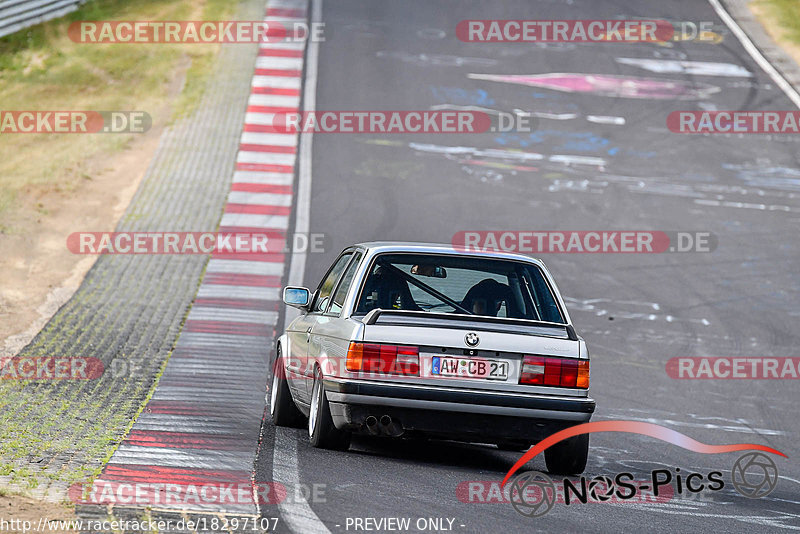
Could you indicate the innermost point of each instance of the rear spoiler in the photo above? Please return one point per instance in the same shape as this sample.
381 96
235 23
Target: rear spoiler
372 318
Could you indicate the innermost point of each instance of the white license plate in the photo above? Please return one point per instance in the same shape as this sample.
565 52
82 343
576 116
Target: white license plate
469 368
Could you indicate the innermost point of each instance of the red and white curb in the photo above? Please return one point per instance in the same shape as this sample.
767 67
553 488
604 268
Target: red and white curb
202 425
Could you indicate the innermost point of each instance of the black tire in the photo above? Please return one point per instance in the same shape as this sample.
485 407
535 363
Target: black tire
568 457
281 407
321 431
514 446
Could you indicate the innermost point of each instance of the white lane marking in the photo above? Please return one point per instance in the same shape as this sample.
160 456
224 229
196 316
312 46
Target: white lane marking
279 82
178 423
288 101
260 118
262 199
268 158
277 222
229 341
244 266
284 63
288 45
258 177
755 53
286 21
286 4
271 139
241 292
200 373
166 456
202 313
298 514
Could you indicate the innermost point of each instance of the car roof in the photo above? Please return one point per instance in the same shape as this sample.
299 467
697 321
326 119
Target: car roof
378 247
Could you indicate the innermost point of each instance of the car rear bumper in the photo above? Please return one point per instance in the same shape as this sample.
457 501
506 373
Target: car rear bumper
454 413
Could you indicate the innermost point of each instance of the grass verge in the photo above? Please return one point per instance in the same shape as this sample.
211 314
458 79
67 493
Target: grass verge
781 20
42 69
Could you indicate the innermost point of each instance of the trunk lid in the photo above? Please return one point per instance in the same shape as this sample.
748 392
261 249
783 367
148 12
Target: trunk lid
447 360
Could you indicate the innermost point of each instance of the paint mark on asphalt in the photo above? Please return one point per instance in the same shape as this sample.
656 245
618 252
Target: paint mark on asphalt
652 311
608 85
695 68
606 119
436 60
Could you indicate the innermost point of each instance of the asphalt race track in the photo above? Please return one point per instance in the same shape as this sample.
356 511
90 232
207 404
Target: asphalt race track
183 346
622 171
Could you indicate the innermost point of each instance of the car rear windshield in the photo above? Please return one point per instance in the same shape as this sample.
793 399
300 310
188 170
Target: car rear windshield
458 285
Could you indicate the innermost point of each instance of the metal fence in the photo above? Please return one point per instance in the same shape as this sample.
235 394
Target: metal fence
18 14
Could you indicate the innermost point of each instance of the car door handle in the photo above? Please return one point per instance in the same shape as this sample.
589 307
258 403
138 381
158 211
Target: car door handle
308 335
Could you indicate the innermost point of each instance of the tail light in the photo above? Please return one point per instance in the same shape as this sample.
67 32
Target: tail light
562 372
381 358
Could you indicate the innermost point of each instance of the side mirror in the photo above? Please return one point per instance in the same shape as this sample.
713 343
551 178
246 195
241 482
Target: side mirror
298 297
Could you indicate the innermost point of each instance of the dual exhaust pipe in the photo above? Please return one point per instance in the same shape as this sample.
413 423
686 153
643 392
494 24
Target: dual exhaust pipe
385 426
